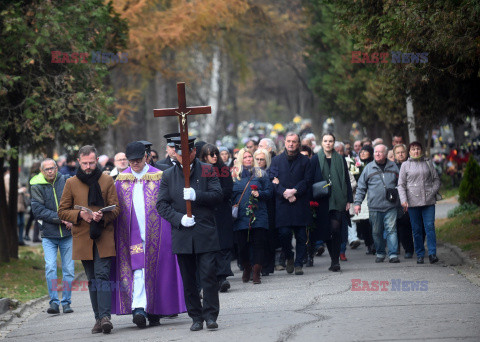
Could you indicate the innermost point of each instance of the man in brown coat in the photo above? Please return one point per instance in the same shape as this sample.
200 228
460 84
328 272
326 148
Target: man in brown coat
93 233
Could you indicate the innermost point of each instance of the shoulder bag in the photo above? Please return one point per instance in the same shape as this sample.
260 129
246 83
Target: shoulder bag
235 206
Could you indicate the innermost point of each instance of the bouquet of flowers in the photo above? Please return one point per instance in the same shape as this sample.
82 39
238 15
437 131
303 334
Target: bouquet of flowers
252 206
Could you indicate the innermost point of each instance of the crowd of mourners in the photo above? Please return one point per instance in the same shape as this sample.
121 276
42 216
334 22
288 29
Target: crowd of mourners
270 210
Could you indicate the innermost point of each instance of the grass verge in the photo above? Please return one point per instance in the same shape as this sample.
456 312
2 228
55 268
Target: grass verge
462 231
24 278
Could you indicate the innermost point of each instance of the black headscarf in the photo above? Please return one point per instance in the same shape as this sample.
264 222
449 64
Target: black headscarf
94 198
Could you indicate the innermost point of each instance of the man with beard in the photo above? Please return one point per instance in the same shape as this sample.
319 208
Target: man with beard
92 230
194 239
292 177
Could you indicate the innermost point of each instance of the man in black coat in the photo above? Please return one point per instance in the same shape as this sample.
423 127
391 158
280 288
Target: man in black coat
292 178
194 239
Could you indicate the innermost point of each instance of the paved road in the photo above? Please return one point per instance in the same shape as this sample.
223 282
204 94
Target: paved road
318 306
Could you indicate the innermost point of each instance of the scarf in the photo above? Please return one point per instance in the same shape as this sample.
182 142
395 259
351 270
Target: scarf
94 198
336 174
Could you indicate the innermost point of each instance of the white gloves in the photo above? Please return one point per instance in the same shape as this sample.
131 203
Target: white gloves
188 221
189 194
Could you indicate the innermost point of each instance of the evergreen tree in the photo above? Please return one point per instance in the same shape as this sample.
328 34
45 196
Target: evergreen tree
469 191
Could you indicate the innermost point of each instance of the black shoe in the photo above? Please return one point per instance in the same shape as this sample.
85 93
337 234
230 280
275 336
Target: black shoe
26 238
408 255
354 244
21 243
67 309
310 261
394 260
211 324
320 250
224 285
420 260
37 240
379 259
140 317
334 268
153 320
433 258
196 326
53 309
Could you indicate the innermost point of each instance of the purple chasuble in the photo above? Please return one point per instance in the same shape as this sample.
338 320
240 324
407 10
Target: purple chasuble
137 253
163 281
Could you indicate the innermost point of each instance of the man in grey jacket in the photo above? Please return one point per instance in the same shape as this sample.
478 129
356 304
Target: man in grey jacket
47 189
378 176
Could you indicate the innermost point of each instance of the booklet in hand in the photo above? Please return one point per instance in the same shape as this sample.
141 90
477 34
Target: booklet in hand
109 208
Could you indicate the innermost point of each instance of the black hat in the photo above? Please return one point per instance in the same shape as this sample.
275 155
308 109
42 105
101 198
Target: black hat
169 138
147 145
135 150
178 144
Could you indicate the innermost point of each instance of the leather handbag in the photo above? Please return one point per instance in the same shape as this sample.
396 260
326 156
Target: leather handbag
235 206
321 190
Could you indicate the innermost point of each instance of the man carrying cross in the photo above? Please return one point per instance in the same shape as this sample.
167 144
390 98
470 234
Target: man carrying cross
194 239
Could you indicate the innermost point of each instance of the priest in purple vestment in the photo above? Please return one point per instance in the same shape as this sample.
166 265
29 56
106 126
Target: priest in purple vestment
146 273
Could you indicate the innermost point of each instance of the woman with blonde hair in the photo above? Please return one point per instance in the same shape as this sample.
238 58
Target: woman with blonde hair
251 191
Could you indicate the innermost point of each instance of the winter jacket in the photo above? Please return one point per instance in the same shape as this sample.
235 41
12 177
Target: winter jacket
265 192
76 193
371 180
418 182
45 201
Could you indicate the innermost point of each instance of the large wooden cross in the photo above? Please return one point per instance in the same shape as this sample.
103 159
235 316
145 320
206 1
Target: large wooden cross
182 112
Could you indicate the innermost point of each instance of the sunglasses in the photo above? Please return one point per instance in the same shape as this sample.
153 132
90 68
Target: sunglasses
213 154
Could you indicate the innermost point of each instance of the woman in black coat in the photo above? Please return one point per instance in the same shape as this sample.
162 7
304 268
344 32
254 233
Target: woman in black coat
223 214
329 165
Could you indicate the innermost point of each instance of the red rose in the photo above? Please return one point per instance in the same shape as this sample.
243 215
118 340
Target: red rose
313 204
254 187
250 206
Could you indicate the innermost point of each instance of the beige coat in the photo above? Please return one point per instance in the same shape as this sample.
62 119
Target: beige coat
76 192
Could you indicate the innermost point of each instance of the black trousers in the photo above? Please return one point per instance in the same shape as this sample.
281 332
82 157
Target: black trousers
223 259
269 254
206 264
404 231
364 231
334 244
257 239
98 275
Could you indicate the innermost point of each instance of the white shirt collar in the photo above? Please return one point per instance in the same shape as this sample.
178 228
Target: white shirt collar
141 173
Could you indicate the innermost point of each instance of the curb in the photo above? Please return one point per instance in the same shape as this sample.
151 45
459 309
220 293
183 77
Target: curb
460 254
7 317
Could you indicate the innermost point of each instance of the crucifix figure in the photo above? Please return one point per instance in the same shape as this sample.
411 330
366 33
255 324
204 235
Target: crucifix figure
182 112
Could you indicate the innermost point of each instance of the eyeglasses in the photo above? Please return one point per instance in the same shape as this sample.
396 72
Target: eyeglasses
259 159
213 154
50 169
136 161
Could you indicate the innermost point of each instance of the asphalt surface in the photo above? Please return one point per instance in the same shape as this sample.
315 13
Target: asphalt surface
419 303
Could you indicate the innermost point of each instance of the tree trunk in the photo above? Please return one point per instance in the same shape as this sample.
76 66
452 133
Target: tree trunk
410 119
12 208
4 254
214 98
